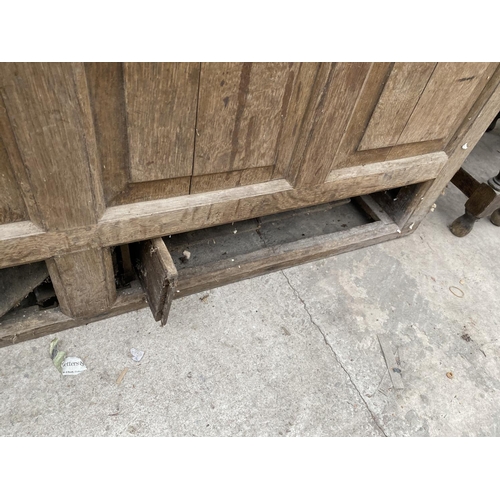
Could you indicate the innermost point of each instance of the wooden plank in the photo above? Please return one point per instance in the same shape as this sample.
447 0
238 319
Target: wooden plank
432 161
42 101
93 161
373 209
304 86
465 182
23 242
266 260
105 83
401 93
348 154
243 237
161 115
152 190
18 171
31 323
17 282
227 180
12 207
157 274
394 370
446 98
335 106
241 111
84 282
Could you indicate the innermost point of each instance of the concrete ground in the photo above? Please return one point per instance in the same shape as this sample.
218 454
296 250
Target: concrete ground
293 353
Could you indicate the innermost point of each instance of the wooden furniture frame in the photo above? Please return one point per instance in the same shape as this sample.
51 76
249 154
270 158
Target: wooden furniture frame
95 156
484 198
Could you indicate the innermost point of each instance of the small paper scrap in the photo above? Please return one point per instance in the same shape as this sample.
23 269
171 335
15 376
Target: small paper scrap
73 366
136 354
66 365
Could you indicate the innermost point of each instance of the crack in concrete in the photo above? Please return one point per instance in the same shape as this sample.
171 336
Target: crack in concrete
325 339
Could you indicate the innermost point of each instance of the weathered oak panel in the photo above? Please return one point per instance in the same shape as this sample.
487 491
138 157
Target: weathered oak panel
401 93
445 99
161 114
241 111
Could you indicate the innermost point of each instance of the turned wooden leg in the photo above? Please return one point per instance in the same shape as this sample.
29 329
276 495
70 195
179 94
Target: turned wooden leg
484 200
463 225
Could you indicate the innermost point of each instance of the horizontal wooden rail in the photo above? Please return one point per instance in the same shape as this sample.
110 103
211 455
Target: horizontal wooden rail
29 323
23 242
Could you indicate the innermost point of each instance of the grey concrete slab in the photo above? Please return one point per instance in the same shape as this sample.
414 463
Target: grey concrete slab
246 361
294 353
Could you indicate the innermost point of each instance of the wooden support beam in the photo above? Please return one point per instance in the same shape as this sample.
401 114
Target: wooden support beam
49 108
23 242
84 282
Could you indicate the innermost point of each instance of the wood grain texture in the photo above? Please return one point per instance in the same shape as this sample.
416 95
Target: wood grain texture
106 87
348 154
469 132
465 182
18 174
430 163
401 93
158 276
43 104
241 111
483 201
227 180
105 84
84 282
302 91
157 218
23 242
161 115
49 109
12 207
327 120
446 98
152 190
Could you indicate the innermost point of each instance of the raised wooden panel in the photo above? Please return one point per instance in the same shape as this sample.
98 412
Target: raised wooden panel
12 207
105 83
337 90
161 114
446 99
348 154
409 109
395 106
241 111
